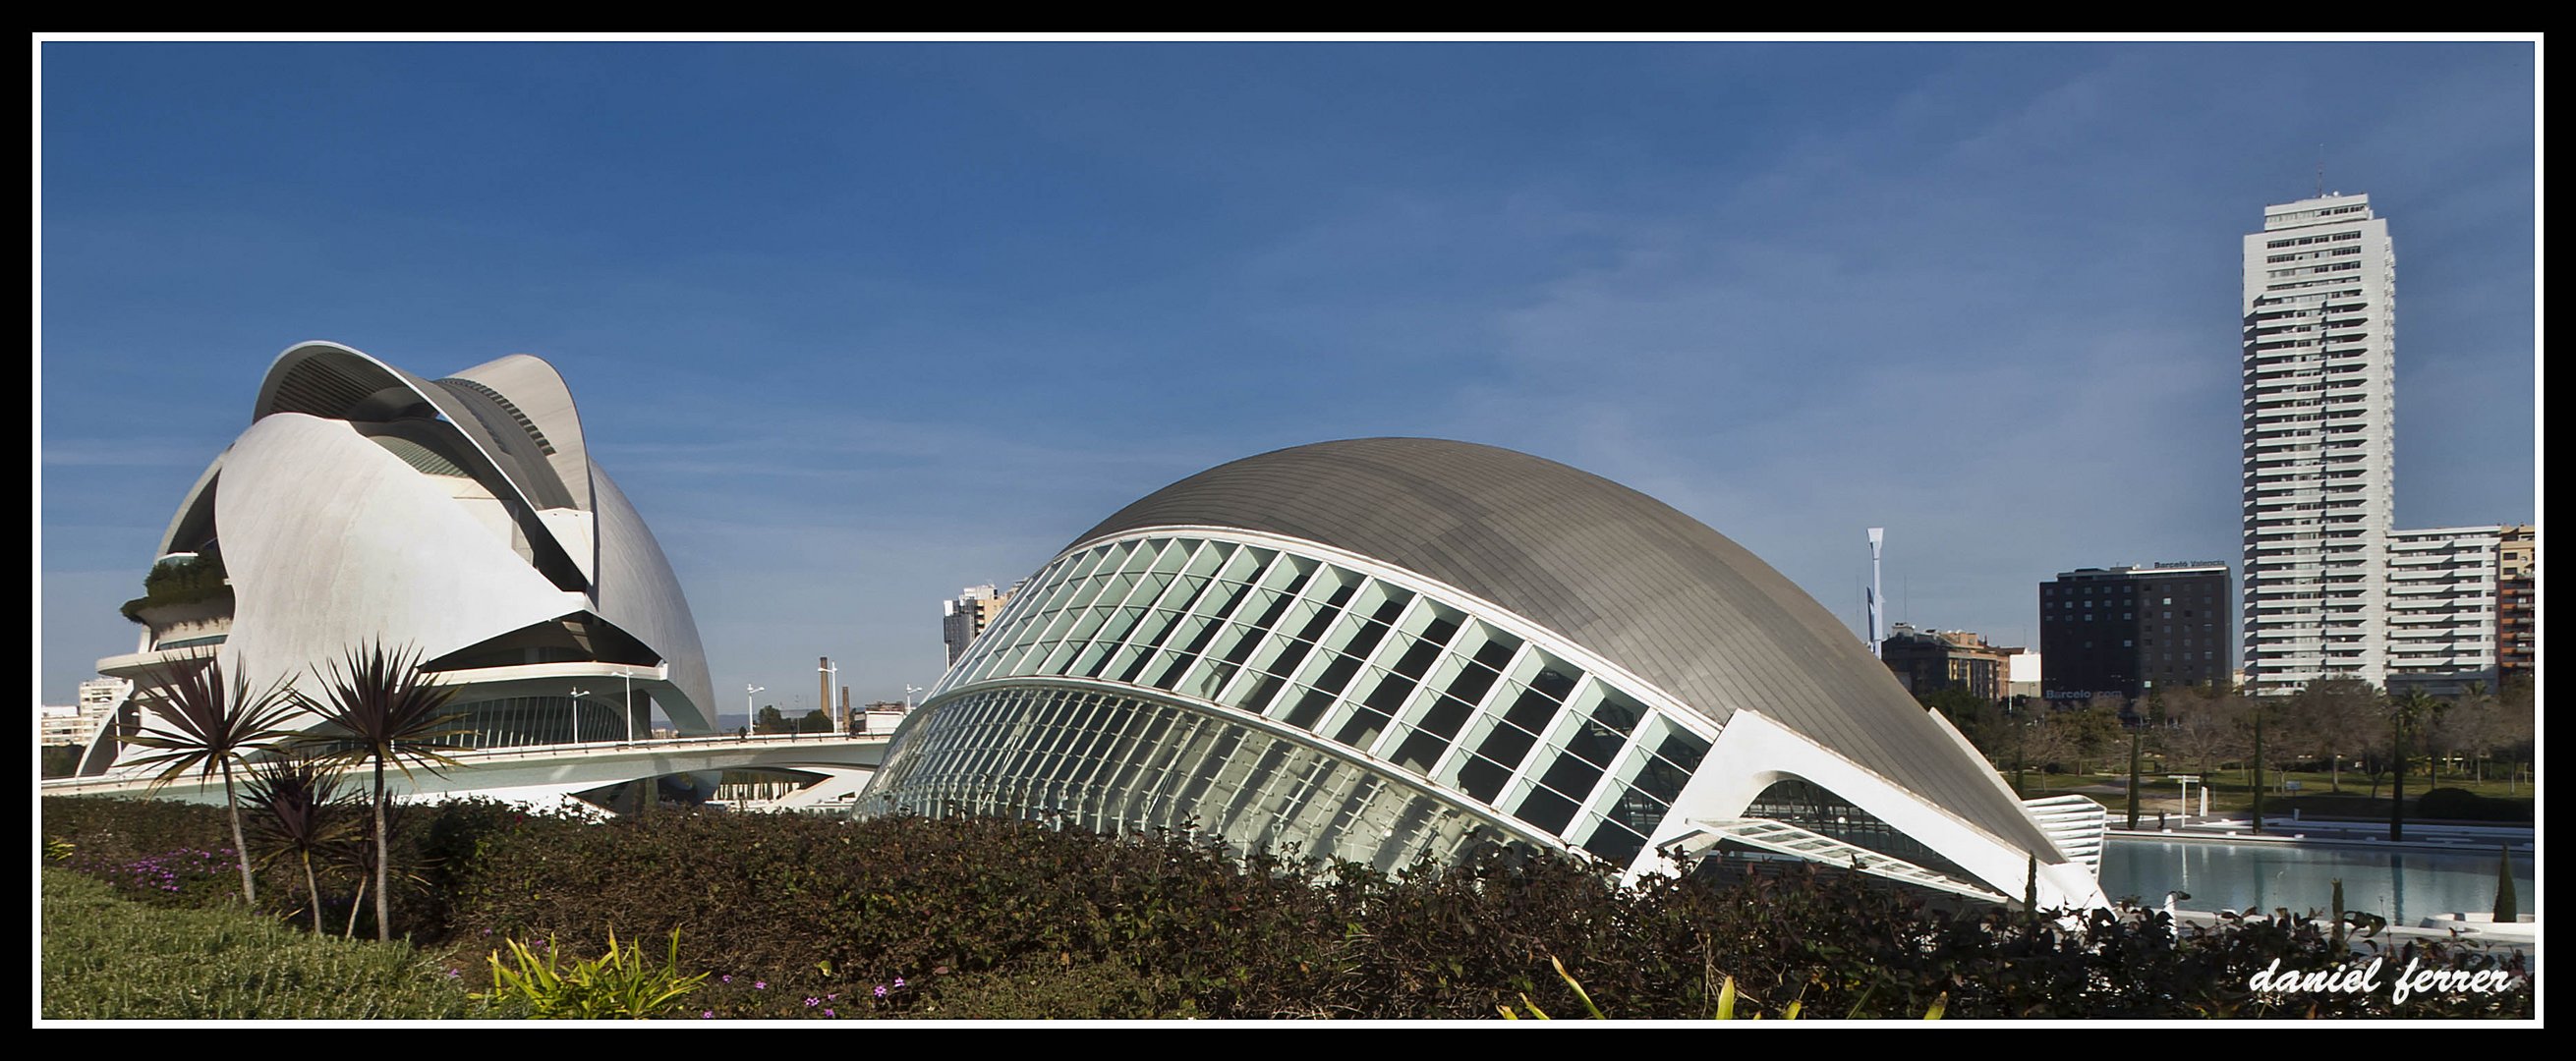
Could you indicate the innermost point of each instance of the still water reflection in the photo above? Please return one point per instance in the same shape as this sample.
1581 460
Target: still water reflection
2403 886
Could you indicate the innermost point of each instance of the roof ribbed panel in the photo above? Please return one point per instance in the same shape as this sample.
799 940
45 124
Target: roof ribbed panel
1614 570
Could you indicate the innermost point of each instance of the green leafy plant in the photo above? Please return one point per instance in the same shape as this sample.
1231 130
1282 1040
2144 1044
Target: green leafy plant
618 985
1726 1001
190 581
57 849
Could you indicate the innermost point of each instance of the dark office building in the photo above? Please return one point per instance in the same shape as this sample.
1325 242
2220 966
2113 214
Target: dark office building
2122 631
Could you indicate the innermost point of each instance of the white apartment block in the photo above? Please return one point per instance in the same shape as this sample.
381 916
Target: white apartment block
2442 608
2318 476
74 723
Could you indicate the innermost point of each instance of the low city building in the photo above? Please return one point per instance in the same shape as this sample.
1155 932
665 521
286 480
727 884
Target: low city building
2444 625
1928 661
964 618
2517 610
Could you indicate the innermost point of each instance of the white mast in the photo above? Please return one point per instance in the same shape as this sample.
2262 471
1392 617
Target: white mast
1877 601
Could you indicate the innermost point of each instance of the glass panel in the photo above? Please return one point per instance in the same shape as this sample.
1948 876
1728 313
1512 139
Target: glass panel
1594 743
1254 691
1467 681
1445 716
1418 655
1210 555
1682 749
1614 843
1482 778
1308 706
1491 647
1417 751
1087 661
1126 660
1571 776
1546 810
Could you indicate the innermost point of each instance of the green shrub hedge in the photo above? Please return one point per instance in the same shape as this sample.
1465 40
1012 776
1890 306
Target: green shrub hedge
2462 805
806 917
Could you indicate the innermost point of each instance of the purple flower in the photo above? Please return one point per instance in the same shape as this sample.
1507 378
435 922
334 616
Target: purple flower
706 1015
881 991
760 985
829 1013
811 1001
728 978
898 983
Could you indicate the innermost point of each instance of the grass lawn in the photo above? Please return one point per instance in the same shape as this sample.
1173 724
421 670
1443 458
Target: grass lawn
105 957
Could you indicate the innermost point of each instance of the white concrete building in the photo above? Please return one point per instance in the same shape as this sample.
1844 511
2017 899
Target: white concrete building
2318 486
2442 608
460 519
1394 649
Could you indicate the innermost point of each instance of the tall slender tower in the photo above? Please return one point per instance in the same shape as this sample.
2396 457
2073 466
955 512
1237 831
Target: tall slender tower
2320 318
1877 603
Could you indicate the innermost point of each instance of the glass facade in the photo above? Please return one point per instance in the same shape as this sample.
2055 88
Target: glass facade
1811 806
1116 764
524 721
1454 711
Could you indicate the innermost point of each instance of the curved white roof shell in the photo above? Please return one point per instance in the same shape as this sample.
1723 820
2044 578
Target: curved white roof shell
365 503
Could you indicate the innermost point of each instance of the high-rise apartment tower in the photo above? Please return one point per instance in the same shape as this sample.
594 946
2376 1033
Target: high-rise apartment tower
2318 476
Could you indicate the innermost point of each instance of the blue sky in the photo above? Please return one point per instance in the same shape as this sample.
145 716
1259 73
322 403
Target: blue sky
856 325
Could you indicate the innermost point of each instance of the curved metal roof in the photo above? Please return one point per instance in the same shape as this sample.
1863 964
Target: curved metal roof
1614 570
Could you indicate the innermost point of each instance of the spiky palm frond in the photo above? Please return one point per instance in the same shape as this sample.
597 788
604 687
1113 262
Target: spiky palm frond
377 707
197 721
205 724
300 806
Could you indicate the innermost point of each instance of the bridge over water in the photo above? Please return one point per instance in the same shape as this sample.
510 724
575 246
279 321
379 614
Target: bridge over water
544 775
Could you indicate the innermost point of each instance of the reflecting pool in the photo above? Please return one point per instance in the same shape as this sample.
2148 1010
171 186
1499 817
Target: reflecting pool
2403 886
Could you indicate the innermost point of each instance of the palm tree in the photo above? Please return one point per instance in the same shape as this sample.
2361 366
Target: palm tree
2407 716
201 723
377 709
298 808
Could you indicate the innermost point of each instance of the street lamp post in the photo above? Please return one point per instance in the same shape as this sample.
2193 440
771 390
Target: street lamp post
748 692
2187 780
577 694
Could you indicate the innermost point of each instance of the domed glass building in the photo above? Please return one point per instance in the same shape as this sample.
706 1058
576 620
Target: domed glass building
1387 649
459 518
